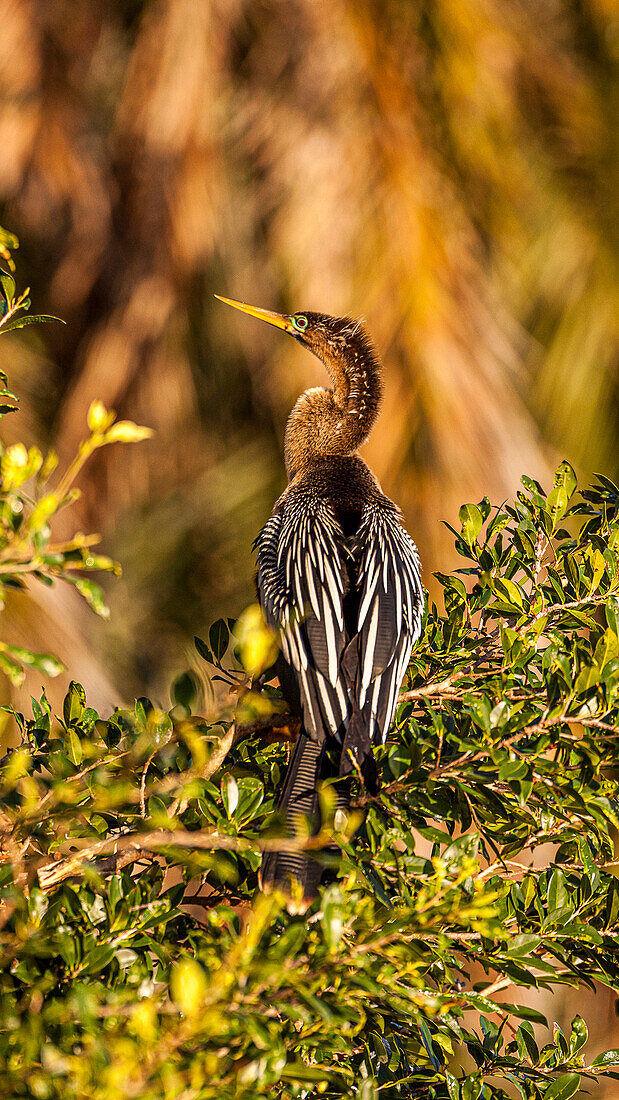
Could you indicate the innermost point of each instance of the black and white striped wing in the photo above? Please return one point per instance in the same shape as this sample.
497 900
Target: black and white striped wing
301 584
390 612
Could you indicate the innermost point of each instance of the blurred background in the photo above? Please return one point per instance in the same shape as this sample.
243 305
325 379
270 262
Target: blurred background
445 169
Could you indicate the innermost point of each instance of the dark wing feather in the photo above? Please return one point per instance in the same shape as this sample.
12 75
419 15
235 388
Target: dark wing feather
390 612
301 584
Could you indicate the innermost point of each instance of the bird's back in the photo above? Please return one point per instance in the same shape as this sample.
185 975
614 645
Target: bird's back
339 576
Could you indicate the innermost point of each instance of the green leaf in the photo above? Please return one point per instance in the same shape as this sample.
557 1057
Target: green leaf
471 1086
589 866
92 593
608 1058
426 1039
7 283
28 319
453 1086
203 650
333 916
12 669
300 1071
612 614
566 476
557 891
525 1012
472 522
74 703
607 649
75 751
587 678
557 503
558 498
598 566
42 662
527 1046
367 1090
157 810
564 1087
185 690
218 636
579 1035
506 587
523 944
513 769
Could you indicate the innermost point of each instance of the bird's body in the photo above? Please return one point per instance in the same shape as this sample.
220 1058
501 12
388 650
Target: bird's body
338 576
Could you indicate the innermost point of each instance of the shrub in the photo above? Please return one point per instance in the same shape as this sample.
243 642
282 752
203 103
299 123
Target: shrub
137 957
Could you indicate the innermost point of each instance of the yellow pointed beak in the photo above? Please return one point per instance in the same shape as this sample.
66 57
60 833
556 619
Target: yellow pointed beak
280 320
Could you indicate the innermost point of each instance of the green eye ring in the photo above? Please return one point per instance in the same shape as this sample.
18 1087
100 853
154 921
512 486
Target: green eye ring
300 322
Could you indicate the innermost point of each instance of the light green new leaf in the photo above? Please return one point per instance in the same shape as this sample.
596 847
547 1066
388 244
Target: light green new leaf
472 522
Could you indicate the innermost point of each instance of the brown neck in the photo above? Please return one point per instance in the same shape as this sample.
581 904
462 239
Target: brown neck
336 422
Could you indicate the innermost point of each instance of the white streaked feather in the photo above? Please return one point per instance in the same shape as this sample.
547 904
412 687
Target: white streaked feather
300 602
312 552
331 641
313 595
289 564
307 699
374 703
398 602
321 561
341 698
300 646
391 704
333 578
325 699
336 598
368 659
367 599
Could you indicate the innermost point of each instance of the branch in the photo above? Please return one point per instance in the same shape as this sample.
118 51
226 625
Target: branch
277 727
437 687
571 606
128 847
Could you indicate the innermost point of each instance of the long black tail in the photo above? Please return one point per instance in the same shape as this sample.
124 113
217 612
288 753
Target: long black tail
296 872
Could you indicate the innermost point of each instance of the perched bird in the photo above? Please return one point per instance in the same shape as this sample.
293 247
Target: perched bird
339 577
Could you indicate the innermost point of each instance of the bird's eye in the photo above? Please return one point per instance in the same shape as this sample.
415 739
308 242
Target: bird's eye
300 322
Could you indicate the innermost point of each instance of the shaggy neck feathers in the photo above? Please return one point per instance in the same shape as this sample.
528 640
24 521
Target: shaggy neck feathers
335 421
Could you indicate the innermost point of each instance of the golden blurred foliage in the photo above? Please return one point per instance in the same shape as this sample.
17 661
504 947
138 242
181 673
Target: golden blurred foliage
444 168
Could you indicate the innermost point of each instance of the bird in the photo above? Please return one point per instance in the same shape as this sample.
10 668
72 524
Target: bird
339 580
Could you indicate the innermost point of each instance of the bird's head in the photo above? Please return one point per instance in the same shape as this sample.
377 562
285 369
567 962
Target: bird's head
328 422
325 336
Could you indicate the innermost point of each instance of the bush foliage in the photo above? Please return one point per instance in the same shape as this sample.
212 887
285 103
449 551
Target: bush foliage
138 957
